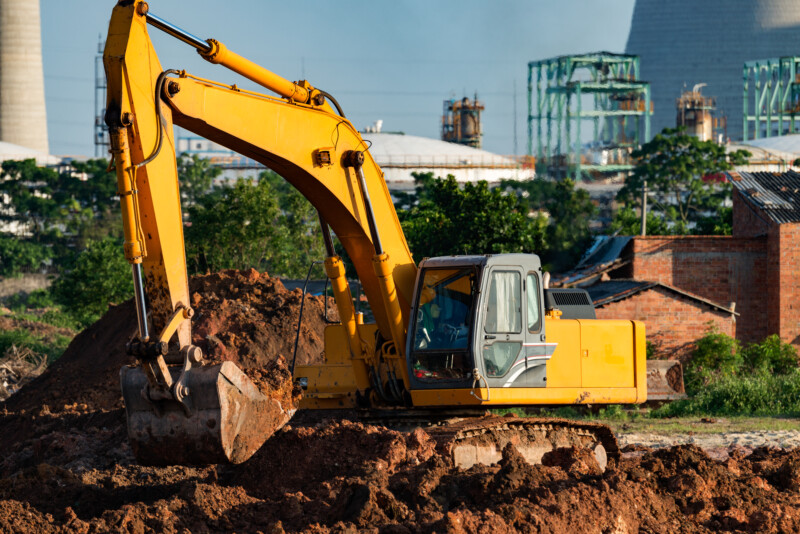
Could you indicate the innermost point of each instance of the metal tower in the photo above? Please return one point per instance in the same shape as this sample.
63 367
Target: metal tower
771 97
101 139
601 88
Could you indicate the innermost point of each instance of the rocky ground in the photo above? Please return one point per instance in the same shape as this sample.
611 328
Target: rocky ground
67 467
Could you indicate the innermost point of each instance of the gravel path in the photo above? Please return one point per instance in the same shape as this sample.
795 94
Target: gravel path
717 446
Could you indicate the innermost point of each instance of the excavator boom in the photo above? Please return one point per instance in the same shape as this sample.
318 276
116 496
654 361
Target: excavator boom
459 331
202 414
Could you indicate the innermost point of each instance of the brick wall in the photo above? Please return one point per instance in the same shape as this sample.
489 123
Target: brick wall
673 322
722 269
747 220
783 278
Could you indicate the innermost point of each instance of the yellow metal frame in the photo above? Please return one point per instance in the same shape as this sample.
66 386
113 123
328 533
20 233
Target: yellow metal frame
301 138
285 135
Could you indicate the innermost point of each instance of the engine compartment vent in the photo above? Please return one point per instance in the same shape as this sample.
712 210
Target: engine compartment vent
573 303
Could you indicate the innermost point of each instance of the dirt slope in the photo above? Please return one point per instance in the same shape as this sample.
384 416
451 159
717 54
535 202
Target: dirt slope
67 467
246 317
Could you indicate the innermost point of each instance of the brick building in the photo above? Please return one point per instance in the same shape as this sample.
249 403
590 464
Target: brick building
726 270
766 207
747 284
674 318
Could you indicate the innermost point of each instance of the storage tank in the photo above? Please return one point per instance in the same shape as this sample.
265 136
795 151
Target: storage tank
23 119
683 42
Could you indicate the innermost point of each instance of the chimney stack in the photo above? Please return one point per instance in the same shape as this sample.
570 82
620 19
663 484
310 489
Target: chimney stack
23 118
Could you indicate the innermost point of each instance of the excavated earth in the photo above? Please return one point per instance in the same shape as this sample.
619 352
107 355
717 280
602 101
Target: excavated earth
66 465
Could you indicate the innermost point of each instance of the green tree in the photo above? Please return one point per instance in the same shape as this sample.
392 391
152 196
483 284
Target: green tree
60 211
196 176
232 227
266 225
682 173
448 219
18 255
300 222
627 221
720 224
99 276
92 211
569 212
31 199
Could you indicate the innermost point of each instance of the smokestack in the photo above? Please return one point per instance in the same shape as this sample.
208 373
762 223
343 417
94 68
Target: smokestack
23 118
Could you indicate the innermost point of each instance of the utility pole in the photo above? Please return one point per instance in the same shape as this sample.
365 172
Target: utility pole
644 208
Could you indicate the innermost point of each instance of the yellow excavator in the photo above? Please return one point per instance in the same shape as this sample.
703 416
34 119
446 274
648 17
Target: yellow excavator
465 333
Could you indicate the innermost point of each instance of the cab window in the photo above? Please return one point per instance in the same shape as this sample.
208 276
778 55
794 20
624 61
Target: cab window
504 305
442 324
534 304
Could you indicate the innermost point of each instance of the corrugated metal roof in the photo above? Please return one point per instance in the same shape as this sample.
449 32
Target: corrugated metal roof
607 292
613 290
601 257
776 194
604 249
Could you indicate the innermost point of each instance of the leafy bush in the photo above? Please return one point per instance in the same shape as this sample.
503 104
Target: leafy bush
38 299
724 379
716 355
771 355
17 255
101 275
761 394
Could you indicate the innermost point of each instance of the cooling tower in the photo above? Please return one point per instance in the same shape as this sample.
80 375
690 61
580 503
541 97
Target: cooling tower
23 120
684 42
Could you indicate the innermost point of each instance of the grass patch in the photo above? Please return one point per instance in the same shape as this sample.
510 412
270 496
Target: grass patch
52 345
698 425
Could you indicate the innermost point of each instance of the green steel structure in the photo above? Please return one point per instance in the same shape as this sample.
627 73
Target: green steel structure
601 88
771 97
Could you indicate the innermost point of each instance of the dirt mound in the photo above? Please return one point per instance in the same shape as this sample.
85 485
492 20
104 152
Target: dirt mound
77 475
246 317
67 465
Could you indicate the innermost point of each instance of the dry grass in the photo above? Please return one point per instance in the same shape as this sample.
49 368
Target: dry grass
19 366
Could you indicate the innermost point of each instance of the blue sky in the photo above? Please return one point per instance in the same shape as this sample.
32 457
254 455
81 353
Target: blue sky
391 60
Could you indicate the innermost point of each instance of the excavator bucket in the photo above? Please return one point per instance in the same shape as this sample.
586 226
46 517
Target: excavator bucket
226 417
665 380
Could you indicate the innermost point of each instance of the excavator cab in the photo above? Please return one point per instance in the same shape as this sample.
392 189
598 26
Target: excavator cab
479 319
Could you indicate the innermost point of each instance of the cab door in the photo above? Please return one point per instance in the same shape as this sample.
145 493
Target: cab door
536 350
502 333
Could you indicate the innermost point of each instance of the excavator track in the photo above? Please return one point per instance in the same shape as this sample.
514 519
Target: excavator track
481 440
468 439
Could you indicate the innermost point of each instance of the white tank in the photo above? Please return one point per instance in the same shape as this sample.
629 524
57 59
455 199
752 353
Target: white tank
23 119
684 42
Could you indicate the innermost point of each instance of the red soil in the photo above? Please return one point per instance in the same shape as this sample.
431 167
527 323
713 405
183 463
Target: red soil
67 467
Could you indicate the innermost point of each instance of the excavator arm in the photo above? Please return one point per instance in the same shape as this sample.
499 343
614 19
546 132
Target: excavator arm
297 134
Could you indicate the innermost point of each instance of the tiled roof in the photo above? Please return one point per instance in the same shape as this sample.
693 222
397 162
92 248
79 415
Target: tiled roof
613 290
777 195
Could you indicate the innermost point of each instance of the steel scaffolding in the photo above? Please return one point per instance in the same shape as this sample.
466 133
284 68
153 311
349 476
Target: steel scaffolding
602 88
771 97
101 139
